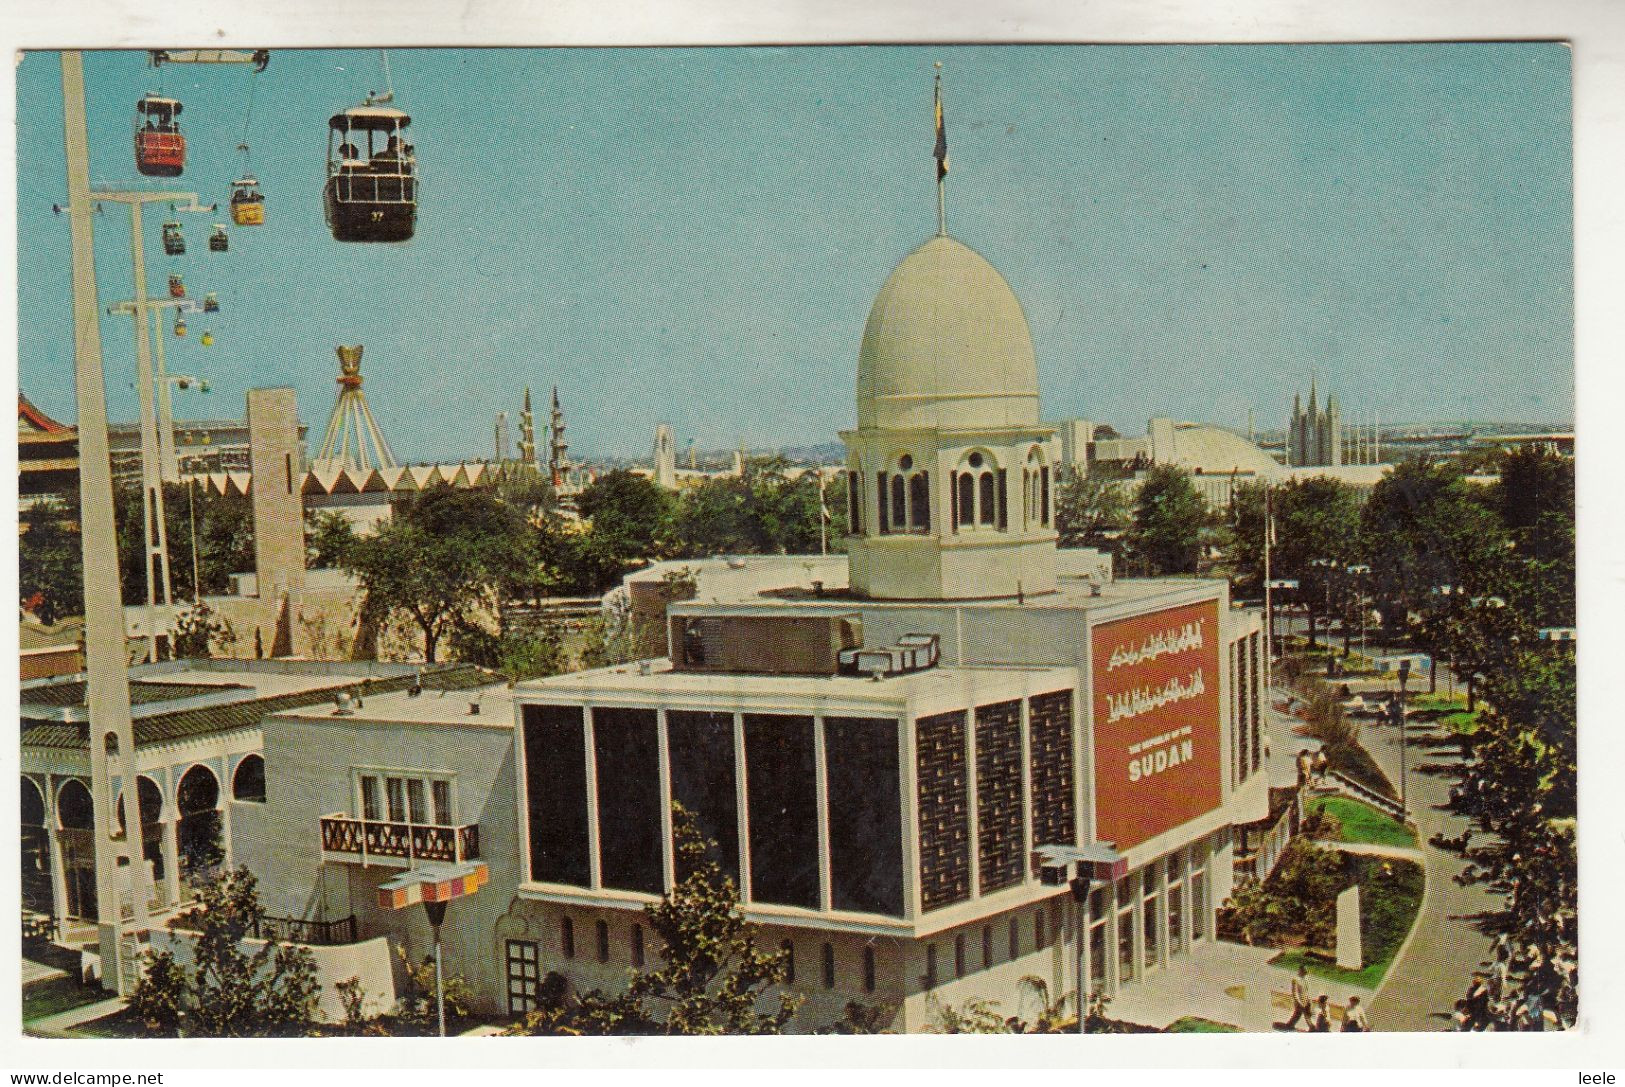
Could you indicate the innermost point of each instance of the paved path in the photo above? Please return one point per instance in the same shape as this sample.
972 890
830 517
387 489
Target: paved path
1435 966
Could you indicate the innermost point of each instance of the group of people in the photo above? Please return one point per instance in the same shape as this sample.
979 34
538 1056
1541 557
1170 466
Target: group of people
1316 1013
386 160
1312 768
1532 981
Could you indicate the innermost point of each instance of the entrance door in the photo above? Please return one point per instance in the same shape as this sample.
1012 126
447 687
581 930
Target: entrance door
524 977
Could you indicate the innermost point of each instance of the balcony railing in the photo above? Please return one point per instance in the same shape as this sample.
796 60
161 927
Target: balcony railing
295 930
366 838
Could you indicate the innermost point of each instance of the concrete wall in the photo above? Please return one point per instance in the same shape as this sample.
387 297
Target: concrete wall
368 960
279 511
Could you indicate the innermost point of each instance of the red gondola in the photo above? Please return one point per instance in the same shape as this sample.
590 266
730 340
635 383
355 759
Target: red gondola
160 149
177 286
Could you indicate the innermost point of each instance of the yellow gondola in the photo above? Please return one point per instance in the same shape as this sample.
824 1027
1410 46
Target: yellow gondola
207 339
180 326
247 202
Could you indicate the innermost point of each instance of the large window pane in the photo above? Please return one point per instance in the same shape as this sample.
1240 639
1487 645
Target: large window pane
628 760
865 815
556 784
701 750
781 793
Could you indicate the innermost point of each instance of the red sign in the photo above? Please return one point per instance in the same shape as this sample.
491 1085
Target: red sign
1158 759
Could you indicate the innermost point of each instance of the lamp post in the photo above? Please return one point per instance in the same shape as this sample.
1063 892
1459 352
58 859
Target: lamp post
1079 886
1361 571
1326 566
1399 719
1076 866
435 884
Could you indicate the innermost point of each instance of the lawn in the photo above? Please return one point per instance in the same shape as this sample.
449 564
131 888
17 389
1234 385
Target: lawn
46 998
1362 823
1390 896
1195 1024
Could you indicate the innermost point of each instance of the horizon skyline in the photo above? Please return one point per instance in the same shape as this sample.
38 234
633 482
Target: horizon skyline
1295 208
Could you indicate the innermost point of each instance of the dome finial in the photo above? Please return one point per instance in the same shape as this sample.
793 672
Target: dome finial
941 155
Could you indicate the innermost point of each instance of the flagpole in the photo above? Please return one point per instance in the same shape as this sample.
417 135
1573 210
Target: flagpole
941 155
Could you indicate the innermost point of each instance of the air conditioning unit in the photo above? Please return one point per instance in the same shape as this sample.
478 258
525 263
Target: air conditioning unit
911 653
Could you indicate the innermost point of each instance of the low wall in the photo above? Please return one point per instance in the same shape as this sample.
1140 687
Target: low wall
369 960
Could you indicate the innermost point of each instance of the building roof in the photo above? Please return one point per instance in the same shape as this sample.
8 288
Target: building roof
31 419
248 713
1212 450
946 346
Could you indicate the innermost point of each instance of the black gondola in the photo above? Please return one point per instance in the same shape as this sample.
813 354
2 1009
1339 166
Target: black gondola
219 241
174 240
371 190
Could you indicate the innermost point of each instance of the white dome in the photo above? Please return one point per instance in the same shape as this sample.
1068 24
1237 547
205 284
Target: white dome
1211 450
946 346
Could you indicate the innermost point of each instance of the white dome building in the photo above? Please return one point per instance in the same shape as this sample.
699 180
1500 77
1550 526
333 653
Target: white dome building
951 474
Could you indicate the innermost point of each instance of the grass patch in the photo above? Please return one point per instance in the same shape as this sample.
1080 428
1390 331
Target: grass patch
1460 722
56 995
1390 896
1356 762
1438 701
1360 822
1195 1024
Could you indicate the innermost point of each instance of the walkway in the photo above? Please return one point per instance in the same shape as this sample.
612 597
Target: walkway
1225 982
58 1026
1436 964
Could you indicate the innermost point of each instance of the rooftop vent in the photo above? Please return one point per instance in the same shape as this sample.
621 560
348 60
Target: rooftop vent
912 653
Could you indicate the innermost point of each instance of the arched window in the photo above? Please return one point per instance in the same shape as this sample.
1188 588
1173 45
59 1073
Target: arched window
1043 502
899 504
919 501
967 498
986 499
74 809
882 525
198 791
248 783
567 937
854 501
33 804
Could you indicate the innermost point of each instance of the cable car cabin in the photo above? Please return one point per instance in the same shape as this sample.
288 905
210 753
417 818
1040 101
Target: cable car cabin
211 304
180 325
160 149
174 240
219 241
207 339
247 202
372 190
177 285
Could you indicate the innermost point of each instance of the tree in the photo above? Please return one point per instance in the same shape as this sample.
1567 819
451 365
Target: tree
630 515
1315 519
328 536
1091 508
442 557
228 991
767 511
1169 517
199 631
50 566
711 977
224 536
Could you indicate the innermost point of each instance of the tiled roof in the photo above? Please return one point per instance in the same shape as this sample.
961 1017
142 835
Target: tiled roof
208 720
142 692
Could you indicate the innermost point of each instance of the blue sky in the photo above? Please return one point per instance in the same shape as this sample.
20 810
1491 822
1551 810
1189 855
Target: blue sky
695 236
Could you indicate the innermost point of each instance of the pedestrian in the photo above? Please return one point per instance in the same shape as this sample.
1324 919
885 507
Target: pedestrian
1319 766
1354 1017
1305 766
1300 998
1320 1019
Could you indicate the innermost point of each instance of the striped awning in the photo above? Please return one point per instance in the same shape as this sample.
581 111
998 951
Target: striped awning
433 883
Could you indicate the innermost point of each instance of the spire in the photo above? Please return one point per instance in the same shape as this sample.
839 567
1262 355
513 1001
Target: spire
940 153
527 433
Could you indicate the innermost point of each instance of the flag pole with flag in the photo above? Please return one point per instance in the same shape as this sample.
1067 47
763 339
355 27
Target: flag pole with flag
940 153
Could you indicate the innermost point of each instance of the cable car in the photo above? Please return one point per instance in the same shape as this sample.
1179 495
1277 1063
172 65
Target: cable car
207 339
219 241
180 325
174 240
177 286
211 304
160 149
247 202
371 193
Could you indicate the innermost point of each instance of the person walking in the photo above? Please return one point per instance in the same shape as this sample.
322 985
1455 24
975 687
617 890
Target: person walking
1300 999
1354 1017
1320 1019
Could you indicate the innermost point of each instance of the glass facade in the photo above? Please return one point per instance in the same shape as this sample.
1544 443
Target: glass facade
781 791
556 773
627 749
701 747
865 815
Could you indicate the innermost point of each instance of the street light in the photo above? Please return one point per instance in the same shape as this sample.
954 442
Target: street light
1077 866
1359 570
434 884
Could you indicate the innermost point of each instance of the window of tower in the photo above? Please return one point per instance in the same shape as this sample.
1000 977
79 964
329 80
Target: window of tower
919 501
986 498
967 498
899 504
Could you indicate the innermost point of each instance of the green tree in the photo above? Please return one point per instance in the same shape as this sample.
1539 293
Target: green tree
1315 519
769 511
710 976
328 536
445 557
1169 519
630 513
1091 508
228 991
224 534
50 561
